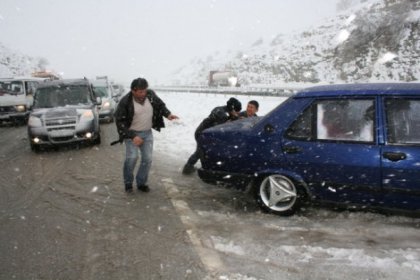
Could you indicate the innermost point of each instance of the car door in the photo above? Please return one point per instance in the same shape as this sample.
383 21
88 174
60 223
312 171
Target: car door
333 146
401 153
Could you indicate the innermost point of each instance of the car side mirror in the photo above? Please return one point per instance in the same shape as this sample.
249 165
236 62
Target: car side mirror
268 128
98 100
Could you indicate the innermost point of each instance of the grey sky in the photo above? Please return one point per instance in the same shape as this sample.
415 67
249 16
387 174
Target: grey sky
129 38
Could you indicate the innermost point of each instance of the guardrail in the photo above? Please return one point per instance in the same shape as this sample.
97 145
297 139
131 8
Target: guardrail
259 91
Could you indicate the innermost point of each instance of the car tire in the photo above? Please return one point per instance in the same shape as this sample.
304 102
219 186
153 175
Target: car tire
97 141
278 194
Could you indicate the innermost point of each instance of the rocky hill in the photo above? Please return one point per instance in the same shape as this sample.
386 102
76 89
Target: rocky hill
371 40
13 63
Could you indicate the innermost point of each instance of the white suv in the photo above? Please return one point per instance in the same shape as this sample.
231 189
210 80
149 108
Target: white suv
64 111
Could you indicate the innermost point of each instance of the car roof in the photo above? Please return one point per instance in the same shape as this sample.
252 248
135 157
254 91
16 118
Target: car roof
9 79
361 90
64 82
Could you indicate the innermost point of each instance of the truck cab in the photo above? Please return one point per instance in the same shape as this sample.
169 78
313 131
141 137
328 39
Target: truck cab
16 98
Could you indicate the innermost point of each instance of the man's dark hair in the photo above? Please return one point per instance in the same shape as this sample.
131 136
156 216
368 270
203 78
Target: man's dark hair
255 103
139 83
233 104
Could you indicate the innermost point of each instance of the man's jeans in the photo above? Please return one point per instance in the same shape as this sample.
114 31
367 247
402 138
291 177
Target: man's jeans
132 155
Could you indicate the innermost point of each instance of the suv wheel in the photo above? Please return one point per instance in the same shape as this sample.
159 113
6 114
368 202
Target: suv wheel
278 194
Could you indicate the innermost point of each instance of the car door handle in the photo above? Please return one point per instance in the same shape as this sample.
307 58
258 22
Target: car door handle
395 156
292 149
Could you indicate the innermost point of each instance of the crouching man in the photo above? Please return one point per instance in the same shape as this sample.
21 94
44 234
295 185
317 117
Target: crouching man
218 115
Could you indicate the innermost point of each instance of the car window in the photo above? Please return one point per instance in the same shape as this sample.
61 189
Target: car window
31 87
302 127
51 97
13 87
343 120
17 87
101 91
403 120
4 87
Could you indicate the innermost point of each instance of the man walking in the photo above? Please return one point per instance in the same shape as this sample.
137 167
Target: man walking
137 113
218 115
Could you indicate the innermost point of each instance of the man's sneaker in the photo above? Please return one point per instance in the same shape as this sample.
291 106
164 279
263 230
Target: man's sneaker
128 188
188 169
143 188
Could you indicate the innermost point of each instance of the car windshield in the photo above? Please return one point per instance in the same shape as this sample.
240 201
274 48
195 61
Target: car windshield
101 91
283 102
69 95
13 87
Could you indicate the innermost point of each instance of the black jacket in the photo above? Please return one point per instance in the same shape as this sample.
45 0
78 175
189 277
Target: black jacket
217 116
125 113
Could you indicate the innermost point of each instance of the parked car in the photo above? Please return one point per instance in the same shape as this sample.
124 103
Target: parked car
64 111
104 89
352 145
16 98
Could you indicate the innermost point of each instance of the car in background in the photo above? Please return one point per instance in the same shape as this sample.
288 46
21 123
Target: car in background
356 146
64 111
104 89
16 98
119 91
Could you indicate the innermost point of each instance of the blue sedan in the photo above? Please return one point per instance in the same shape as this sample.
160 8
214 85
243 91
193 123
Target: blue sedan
354 145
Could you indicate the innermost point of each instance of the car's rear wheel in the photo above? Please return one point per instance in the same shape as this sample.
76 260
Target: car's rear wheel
278 194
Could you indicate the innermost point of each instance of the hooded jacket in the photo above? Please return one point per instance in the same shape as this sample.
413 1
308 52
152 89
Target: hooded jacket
217 116
125 113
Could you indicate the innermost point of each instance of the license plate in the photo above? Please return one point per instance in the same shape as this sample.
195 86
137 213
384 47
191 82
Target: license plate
61 133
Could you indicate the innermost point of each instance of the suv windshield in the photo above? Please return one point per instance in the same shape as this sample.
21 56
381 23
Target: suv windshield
72 95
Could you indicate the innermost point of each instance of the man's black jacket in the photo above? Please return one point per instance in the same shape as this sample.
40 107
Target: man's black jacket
217 116
125 113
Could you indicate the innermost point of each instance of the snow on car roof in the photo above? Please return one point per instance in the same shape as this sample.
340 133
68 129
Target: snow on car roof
361 89
8 79
65 82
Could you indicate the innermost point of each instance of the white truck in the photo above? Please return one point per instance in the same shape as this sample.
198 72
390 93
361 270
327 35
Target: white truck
16 98
223 79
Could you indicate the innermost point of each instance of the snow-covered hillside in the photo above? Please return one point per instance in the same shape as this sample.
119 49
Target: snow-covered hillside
370 40
13 63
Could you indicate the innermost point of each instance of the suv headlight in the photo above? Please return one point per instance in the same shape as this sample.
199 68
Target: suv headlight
20 108
86 116
34 121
